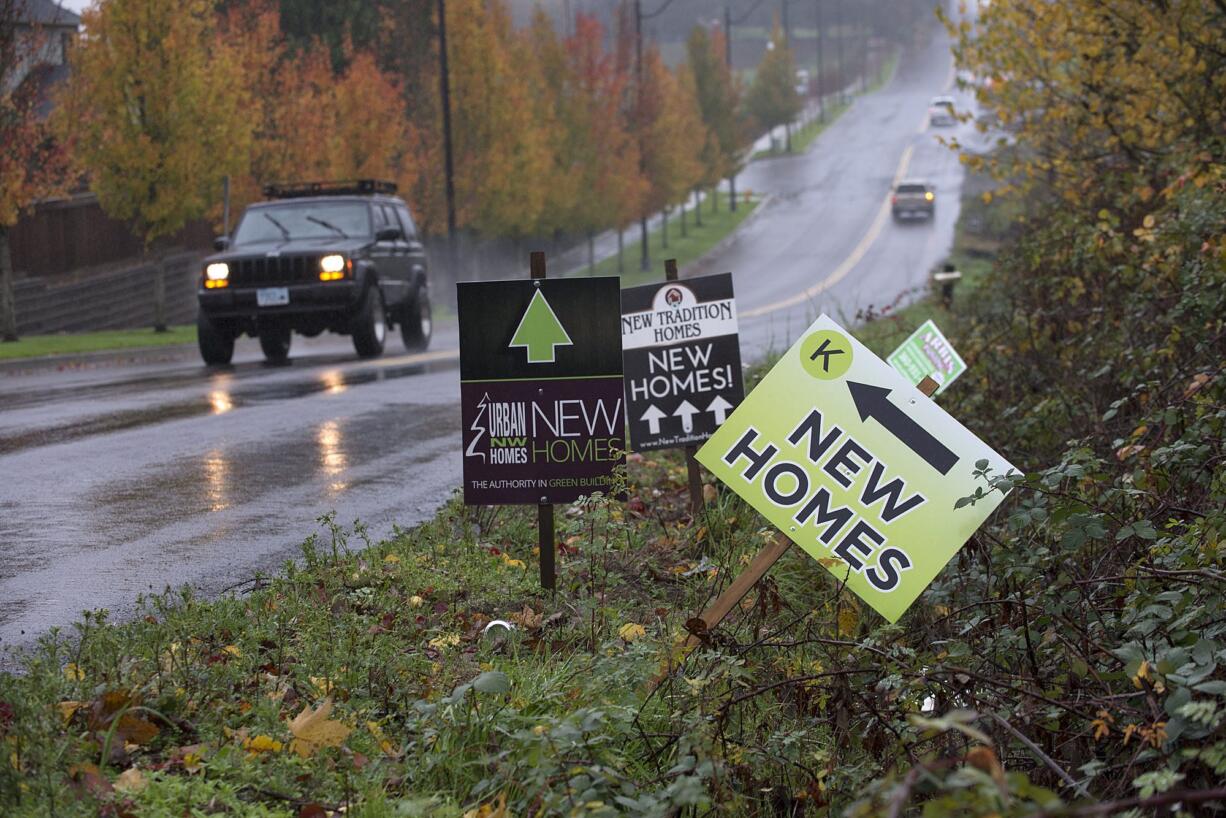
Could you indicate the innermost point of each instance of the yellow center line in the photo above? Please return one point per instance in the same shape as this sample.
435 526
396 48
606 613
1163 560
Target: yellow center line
420 358
849 263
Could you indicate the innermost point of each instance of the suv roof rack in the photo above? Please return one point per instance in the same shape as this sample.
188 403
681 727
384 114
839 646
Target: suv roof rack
357 187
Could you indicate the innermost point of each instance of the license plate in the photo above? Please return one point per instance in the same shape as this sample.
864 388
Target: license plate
272 296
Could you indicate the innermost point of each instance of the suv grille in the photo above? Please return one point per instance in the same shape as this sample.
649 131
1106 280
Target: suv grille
257 272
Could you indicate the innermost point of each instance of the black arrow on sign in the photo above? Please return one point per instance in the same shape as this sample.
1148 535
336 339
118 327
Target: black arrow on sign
874 401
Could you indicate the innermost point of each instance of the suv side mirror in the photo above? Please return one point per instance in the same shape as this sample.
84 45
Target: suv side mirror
388 234
221 243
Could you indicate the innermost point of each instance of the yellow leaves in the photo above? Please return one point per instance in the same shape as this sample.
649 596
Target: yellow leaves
262 744
446 640
313 730
233 651
416 602
1102 725
984 759
1141 674
1196 384
495 809
848 619
391 559
527 618
631 631
73 673
1154 735
381 738
68 709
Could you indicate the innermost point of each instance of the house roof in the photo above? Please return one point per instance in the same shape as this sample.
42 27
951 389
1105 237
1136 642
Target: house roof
47 13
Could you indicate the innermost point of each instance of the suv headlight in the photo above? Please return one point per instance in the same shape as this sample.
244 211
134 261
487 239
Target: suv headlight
332 267
217 275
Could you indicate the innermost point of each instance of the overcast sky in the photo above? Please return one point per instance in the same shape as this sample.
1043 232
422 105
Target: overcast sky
74 5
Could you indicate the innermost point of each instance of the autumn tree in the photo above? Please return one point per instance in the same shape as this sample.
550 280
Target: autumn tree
33 164
160 115
596 181
719 100
772 98
670 134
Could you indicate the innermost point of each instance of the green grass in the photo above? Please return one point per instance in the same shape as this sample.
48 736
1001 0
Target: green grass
697 242
37 346
432 715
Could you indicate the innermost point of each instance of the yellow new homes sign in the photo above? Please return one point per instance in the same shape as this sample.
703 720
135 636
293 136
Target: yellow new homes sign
857 466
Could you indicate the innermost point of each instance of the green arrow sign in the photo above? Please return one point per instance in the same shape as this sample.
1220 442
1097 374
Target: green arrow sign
540 331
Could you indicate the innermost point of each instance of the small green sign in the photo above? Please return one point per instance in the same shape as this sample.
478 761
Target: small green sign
857 466
928 353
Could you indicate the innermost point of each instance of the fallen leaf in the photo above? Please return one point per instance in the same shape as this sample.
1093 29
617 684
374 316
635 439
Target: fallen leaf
495 809
313 730
232 650
1198 382
391 558
416 601
983 759
312 810
73 672
68 709
131 780
631 631
709 494
262 744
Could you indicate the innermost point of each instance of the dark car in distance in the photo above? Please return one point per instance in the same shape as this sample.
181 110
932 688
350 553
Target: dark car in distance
337 256
913 197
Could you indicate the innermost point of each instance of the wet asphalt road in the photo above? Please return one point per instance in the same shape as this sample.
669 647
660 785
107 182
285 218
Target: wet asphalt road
119 480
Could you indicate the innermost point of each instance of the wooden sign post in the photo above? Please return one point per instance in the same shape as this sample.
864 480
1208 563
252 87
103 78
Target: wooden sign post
546 544
723 605
691 463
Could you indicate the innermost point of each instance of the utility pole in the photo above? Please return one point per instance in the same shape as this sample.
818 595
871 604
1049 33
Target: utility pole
444 91
821 35
838 24
728 21
639 17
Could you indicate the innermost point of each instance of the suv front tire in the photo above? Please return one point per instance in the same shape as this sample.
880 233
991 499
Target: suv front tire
216 344
369 326
417 322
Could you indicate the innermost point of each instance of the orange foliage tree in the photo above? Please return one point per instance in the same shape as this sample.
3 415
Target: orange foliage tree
158 115
33 165
670 133
311 123
596 180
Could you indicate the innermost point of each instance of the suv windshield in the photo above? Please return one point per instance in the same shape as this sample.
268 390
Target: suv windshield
303 220
911 189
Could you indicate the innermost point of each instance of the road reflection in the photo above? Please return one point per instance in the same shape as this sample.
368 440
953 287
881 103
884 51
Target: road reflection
332 458
217 480
334 382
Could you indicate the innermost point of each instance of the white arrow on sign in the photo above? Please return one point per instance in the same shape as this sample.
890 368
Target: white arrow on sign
719 407
686 412
653 416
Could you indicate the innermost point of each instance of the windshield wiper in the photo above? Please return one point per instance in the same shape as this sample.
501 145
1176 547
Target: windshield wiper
281 227
328 225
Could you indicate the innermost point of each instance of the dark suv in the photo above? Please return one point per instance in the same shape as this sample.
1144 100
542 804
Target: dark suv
337 256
